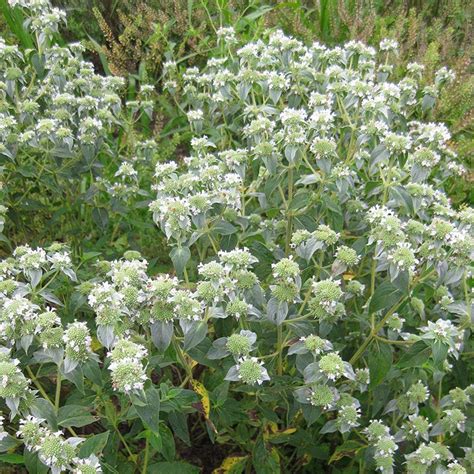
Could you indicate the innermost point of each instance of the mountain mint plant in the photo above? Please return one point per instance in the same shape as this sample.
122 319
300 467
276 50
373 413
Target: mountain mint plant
316 310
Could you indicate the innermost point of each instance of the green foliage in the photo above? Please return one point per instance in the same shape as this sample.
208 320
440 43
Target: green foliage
249 254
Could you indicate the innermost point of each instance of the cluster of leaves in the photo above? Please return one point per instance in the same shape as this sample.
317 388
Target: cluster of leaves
317 311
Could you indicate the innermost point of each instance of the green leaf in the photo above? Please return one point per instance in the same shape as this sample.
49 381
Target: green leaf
74 415
196 335
161 334
100 51
233 465
190 13
263 10
402 281
310 413
42 408
385 296
90 255
380 362
277 311
75 376
179 425
265 259
168 448
101 217
265 461
8 443
12 458
402 198
224 228
149 412
33 464
440 352
417 355
177 467
93 445
419 306
93 372
15 21
180 257
349 448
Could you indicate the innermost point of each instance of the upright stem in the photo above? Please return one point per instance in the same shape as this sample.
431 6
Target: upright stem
280 349
57 398
125 444
186 277
43 393
38 384
289 225
182 359
438 407
467 297
289 217
214 246
147 453
305 301
372 288
372 277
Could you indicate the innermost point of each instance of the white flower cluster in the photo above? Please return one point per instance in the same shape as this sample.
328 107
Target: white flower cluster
325 305
384 444
54 450
128 374
77 342
66 111
228 284
44 18
187 199
13 384
22 317
248 370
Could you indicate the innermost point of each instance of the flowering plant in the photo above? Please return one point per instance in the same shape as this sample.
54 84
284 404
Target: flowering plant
60 129
319 307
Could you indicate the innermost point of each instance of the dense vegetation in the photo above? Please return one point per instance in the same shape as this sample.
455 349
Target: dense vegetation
236 237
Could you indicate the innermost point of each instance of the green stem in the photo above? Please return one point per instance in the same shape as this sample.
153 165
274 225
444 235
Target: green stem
372 276
372 288
389 341
289 216
50 280
57 398
214 246
122 439
41 390
467 297
147 454
375 331
306 299
116 229
186 277
280 349
182 359
38 384
295 320
438 407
